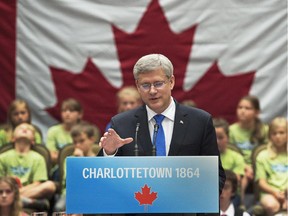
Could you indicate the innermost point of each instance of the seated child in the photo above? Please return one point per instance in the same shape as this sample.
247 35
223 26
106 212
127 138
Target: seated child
84 136
231 160
10 204
59 135
272 168
29 166
18 112
226 206
248 133
127 98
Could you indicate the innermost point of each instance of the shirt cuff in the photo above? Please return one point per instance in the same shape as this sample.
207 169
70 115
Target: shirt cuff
106 155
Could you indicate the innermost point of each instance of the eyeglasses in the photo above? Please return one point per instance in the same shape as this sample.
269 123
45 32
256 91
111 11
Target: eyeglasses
157 85
7 191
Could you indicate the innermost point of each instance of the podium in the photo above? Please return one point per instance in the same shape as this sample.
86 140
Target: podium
119 185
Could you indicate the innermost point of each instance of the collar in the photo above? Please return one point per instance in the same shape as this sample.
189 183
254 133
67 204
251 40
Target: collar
229 211
168 113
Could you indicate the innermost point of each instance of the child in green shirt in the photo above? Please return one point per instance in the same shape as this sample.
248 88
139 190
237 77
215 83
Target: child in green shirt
84 136
18 112
272 168
28 166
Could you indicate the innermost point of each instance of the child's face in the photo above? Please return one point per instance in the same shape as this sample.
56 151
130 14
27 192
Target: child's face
222 138
70 117
245 111
6 194
25 131
20 115
83 142
278 136
127 102
227 193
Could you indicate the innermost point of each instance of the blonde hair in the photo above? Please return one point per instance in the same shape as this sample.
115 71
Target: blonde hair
13 106
16 206
29 126
130 91
276 122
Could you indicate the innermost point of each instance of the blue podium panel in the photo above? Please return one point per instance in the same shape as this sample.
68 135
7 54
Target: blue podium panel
188 184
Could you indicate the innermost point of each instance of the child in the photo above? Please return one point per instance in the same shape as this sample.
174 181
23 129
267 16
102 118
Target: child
84 136
272 168
59 135
10 204
248 133
127 98
226 206
18 112
230 159
29 166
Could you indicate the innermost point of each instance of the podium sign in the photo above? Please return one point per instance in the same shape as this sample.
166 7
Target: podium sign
188 184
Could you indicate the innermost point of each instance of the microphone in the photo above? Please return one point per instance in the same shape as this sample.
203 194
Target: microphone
156 127
136 149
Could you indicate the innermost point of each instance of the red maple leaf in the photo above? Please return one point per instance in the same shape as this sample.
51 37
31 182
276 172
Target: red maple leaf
153 35
89 87
8 15
146 198
212 90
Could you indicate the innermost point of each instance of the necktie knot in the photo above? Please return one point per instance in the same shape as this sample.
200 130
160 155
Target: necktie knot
159 118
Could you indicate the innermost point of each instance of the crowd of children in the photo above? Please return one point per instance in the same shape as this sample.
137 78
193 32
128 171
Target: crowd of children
27 185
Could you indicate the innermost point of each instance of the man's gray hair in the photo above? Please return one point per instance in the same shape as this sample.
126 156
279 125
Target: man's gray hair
152 62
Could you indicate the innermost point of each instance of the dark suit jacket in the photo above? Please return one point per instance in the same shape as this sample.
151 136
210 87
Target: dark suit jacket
193 134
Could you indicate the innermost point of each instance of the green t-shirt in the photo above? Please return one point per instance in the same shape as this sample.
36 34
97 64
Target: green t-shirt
234 161
241 137
274 171
57 138
29 167
5 138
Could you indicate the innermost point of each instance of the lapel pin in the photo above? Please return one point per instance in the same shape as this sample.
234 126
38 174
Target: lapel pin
181 122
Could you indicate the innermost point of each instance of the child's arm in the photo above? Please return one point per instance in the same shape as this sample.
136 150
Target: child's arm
249 173
265 187
28 187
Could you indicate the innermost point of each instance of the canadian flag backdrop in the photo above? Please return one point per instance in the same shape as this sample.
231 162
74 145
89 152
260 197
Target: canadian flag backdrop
86 49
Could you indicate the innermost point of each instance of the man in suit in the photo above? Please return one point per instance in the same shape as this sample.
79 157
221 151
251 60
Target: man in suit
188 131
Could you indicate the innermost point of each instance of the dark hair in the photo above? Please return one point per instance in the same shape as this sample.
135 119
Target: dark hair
221 122
72 105
257 137
232 177
87 128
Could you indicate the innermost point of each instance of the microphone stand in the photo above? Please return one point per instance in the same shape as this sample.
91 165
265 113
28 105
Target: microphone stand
156 127
136 149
